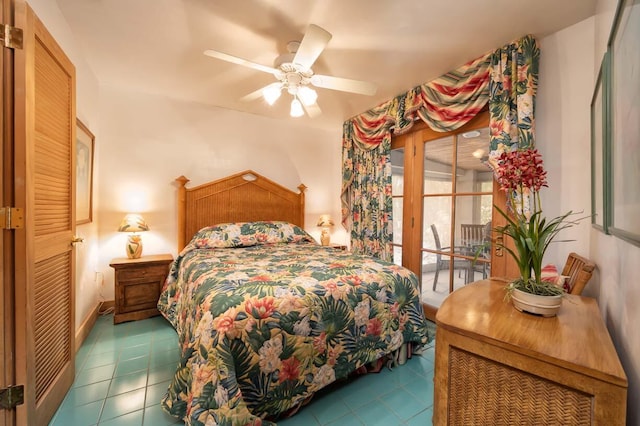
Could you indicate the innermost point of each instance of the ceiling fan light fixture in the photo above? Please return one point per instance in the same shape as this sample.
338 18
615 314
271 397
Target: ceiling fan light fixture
478 153
307 95
471 134
296 108
271 94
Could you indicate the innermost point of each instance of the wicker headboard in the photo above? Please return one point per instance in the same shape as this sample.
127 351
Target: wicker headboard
243 197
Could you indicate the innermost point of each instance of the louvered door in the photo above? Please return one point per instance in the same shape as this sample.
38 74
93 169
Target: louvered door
44 169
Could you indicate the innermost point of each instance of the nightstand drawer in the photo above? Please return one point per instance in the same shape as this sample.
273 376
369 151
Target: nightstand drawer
137 274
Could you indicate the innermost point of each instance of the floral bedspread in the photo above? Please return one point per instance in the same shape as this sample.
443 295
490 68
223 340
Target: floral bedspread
266 317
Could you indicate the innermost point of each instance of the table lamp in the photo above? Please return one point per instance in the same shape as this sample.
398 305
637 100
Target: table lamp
325 222
133 223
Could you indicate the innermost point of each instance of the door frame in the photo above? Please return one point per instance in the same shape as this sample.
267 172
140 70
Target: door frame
7 282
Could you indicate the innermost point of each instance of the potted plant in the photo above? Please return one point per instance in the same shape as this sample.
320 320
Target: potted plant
520 173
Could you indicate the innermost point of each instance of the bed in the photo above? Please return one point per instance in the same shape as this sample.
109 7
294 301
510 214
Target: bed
265 316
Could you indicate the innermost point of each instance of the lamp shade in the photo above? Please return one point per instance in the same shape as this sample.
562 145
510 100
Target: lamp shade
307 95
296 108
133 223
271 93
325 220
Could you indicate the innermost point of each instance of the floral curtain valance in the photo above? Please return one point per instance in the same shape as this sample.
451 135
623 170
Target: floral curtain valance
445 104
506 79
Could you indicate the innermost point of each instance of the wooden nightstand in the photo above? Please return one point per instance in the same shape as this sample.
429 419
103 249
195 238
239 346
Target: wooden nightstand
138 283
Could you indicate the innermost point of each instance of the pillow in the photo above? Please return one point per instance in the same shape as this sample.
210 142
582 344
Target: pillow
550 274
246 234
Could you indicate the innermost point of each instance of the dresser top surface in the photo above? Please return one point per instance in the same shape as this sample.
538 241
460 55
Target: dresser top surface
576 338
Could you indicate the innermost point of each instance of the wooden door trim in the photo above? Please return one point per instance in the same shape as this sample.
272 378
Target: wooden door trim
7 371
24 375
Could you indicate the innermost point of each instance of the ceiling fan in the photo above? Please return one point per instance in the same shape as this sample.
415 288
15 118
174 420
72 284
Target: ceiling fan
294 74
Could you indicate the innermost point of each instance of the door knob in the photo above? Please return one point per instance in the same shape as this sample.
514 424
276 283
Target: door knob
75 240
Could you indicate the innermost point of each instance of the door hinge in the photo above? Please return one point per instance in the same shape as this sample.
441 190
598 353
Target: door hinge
11 397
11 218
11 37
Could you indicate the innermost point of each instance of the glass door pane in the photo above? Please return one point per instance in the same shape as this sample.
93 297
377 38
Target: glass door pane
457 207
473 204
397 192
437 262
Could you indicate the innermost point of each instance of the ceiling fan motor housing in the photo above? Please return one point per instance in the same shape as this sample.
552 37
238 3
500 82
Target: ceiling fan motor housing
291 75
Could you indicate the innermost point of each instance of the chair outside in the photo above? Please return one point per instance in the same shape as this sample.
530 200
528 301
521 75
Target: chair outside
440 263
471 234
473 242
579 271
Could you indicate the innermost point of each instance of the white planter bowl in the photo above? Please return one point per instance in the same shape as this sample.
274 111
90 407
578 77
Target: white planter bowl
546 306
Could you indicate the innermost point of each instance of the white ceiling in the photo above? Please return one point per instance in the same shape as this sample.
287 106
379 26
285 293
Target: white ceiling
155 46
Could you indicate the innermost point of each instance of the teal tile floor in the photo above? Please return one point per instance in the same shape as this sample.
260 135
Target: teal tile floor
124 370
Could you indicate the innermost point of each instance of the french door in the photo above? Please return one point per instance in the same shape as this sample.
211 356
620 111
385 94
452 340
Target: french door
443 207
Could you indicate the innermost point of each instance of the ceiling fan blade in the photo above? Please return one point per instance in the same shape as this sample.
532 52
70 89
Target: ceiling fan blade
240 61
258 93
344 84
311 46
312 110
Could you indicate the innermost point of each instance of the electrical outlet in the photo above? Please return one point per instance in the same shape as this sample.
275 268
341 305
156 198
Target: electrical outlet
99 279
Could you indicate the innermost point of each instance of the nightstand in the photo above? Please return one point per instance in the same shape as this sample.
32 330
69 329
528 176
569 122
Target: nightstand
138 283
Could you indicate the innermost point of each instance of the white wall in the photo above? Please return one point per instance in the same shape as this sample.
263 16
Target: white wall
87 93
619 290
570 60
563 132
147 141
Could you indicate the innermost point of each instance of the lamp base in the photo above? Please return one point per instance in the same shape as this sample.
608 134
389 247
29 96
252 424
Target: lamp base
134 246
325 238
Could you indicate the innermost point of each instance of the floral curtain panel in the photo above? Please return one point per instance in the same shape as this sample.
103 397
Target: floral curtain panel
366 176
506 78
512 88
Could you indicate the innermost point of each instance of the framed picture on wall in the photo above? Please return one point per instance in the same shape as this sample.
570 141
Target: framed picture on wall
599 149
85 144
624 50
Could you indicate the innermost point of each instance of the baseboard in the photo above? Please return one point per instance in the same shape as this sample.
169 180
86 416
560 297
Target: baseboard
90 320
86 326
107 306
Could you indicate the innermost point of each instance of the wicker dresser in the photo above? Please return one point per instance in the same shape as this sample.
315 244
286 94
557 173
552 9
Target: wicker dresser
495 365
